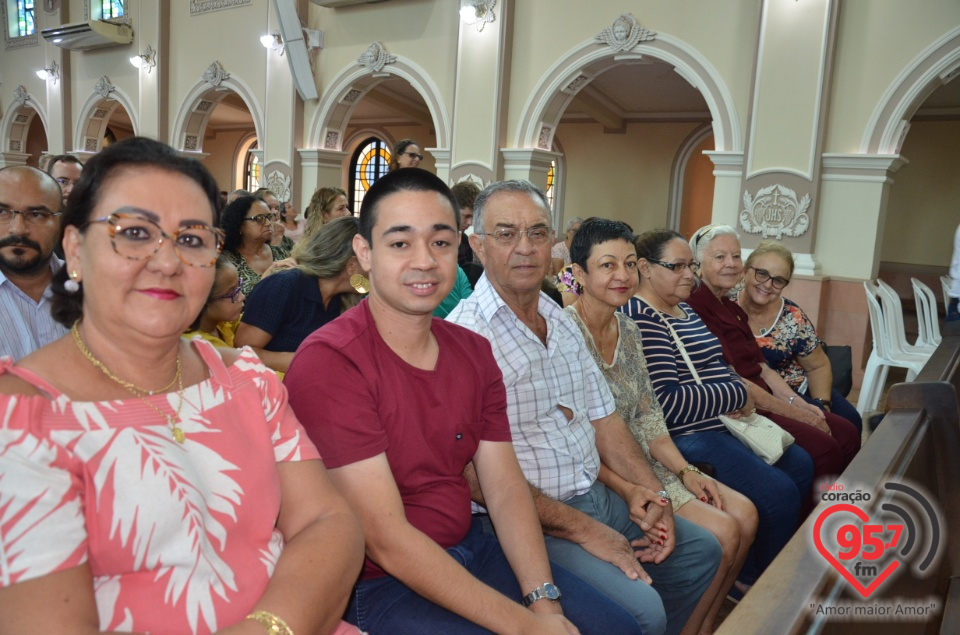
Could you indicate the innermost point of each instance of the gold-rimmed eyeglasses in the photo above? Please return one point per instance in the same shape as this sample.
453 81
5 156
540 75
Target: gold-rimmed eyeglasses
138 238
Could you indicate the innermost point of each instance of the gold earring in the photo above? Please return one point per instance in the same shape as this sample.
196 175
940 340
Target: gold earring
360 283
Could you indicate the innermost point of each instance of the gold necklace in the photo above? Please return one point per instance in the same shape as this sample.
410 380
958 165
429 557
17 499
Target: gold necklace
175 430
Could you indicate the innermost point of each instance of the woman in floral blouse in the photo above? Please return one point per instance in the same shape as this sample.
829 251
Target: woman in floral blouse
785 334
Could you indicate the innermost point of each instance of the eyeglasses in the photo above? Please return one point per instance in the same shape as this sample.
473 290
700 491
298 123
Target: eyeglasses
233 295
263 219
762 275
507 237
138 238
66 181
677 267
36 217
413 155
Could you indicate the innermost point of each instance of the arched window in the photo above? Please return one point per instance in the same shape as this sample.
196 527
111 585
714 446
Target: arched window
109 9
369 163
251 181
551 181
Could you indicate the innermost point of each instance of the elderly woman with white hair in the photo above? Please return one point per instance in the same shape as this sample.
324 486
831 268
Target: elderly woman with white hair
831 441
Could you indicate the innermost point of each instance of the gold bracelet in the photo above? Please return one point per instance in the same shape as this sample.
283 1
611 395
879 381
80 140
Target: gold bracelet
272 623
689 468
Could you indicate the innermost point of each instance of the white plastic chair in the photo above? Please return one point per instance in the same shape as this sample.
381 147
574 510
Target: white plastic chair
945 284
881 357
928 318
893 318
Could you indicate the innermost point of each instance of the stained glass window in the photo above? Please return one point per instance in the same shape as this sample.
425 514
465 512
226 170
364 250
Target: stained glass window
551 179
26 24
111 9
369 163
252 181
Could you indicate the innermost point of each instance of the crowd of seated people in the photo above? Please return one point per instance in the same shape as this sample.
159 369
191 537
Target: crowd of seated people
515 467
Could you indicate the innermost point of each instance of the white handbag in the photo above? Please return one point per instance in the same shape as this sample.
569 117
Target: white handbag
763 436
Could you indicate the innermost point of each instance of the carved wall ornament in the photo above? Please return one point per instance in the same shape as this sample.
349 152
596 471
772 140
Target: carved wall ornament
624 34
375 58
775 212
103 87
472 178
204 6
20 95
351 96
215 75
278 183
544 141
90 144
15 145
577 84
99 113
190 142
331 140
204 106
21 118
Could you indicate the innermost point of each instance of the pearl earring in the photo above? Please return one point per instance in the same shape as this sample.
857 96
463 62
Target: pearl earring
72 285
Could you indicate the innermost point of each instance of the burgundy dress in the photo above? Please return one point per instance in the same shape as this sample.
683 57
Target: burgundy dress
725 318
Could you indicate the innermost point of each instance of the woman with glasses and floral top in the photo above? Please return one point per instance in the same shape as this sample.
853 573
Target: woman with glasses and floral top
247 225
217 322
785 334
831 441
153 484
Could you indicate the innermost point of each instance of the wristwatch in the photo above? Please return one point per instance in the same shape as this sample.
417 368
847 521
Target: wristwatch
547 590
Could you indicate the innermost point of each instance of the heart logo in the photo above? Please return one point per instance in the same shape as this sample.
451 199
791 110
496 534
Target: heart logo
865 591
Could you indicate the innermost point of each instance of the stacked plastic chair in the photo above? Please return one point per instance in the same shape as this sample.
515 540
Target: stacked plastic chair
883 356
928 318
893 316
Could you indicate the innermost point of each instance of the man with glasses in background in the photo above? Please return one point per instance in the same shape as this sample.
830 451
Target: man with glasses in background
65 169
29 231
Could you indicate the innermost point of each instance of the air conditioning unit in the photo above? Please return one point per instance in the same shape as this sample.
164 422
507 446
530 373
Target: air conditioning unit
333 4
84 36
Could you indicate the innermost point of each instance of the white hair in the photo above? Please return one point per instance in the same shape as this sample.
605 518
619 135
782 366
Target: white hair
705 235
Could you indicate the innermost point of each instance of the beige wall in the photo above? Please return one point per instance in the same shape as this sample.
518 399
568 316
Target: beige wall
621 176
924 207
222 148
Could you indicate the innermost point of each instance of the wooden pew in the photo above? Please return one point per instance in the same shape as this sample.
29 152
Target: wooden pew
919 440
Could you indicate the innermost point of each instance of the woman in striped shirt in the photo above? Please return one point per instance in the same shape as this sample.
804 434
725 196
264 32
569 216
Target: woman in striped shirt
691 407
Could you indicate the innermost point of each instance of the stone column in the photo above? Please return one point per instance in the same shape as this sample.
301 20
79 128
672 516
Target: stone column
319 168
152 31
780 194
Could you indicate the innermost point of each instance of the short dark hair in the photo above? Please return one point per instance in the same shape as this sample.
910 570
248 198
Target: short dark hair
409 180
62 158
594 231
651 244
65 307
231 221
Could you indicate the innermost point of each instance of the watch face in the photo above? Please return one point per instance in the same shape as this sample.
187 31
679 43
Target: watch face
551 592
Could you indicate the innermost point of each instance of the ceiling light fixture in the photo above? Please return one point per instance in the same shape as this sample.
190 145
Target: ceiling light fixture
52 72
272 41
477 12
147 59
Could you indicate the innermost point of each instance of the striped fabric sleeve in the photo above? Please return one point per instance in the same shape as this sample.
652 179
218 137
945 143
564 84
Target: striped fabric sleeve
687 406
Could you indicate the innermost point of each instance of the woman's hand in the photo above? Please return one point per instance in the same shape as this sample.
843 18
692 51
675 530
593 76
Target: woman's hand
280 265
704 488
748 409
804 415
799 402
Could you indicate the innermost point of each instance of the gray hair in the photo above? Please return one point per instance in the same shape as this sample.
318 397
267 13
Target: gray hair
705 235
516 185
576 220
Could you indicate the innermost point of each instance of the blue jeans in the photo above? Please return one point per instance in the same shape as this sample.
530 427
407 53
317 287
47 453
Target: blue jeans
385 605
678 582
952 313
776 490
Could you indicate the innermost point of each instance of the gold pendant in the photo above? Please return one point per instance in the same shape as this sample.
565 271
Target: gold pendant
178 435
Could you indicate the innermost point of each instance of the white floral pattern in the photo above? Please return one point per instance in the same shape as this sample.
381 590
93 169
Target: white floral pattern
178 537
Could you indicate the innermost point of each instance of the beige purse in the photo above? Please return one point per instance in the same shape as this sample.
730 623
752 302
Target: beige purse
764 437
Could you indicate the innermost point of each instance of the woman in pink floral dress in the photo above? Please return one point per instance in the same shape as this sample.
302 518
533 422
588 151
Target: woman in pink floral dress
147 483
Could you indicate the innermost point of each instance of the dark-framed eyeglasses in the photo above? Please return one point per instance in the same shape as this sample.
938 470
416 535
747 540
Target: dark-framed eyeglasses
136 237
36 217
507 236
234 294
762 275
413 155
677 267
263 219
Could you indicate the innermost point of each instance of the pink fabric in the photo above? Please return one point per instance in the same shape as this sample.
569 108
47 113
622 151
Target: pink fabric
180 538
